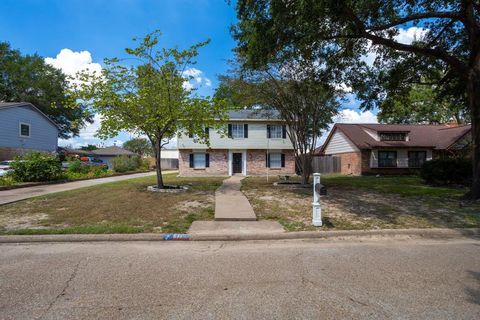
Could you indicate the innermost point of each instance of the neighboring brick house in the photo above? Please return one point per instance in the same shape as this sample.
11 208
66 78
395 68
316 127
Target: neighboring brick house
24 128
392 148
256 144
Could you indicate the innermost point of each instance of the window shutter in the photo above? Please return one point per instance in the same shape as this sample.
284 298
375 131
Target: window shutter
268 131
207 131
283 160
284 132
191 160
207 160
267 160
229 130
245 130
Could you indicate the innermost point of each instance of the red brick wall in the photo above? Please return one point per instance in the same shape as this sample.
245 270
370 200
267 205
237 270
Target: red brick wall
256 164
218 164
351 163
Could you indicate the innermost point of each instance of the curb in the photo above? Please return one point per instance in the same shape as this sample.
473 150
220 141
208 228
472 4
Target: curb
327 235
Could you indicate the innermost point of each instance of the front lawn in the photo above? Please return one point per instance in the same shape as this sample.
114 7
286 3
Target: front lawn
118 207
364 203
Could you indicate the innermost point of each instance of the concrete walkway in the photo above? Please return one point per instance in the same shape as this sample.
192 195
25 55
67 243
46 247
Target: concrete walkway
13 195
231 204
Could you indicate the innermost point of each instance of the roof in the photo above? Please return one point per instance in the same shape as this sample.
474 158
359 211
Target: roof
108 151
419 135
6 105
254 114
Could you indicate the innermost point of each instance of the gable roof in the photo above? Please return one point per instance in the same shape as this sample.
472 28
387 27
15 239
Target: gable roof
7 105
112 151
255 115
419 135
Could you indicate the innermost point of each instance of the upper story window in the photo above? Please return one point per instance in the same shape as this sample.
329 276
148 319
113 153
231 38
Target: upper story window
276 132
393 136
237 130
24 130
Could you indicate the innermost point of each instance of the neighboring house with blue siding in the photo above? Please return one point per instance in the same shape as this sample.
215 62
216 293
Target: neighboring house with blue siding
24 128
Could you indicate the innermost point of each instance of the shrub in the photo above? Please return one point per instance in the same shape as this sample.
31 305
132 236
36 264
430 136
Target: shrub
7 180
448 171
125 163
37 166
76 166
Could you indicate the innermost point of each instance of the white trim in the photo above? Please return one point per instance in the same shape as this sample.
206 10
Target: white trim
20 129
230 161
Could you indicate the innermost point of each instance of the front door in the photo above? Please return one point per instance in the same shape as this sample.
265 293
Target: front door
237 163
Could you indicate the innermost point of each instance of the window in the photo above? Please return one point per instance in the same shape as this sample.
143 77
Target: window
393 136
387 159
237 130
416 159
275 160
276 132
199 160
24 129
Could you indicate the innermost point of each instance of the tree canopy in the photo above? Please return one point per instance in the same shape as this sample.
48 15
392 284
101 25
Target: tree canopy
27 78
141 146
149 98
343 32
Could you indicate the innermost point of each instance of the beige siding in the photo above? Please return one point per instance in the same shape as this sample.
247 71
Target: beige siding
339 143
257 139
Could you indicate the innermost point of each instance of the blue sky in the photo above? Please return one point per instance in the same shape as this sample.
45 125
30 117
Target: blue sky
92 30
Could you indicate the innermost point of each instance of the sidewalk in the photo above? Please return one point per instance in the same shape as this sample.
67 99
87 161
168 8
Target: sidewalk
231 204
13 195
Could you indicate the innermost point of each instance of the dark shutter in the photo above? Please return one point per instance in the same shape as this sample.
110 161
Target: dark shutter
207 131
283 160
229 130
267 160
207 160
191 160
245 130
268 131
284 132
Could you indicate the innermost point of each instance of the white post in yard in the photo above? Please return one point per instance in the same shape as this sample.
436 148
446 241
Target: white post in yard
317 210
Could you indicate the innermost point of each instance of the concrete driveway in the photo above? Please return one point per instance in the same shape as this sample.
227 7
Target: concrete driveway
8 196
408 279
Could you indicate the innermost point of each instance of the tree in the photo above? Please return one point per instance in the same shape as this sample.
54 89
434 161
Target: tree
149 98
297 91
346 30
89 147
140 146
28 78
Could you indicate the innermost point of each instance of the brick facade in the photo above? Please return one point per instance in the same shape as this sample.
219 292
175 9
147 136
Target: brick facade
351 163
256 164
218 164
10 153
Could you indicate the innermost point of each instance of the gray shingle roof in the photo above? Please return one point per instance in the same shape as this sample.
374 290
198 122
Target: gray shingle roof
254 114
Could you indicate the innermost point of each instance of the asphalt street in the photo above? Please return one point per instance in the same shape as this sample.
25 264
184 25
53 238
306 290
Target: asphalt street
288 279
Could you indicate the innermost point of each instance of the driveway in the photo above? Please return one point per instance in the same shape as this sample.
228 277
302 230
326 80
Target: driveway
7 196
314 279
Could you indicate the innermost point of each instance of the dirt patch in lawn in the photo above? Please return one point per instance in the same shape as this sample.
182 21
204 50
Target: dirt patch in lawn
347 207
116 207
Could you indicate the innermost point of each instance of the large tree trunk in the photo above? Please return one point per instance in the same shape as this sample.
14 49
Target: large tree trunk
473 89
158 163
305 167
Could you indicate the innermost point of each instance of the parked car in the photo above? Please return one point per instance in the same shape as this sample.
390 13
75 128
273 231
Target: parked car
5 167
88 161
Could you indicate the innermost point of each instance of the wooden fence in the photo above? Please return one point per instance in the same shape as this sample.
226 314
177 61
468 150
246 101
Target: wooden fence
326 164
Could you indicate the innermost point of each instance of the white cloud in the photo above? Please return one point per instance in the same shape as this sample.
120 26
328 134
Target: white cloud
407 36
71 62
195 79
352 116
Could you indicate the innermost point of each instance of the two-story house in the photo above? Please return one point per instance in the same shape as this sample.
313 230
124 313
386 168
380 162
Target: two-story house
24 128
256 143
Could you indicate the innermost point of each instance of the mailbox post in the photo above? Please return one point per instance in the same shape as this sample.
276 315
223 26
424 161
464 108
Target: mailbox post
317 210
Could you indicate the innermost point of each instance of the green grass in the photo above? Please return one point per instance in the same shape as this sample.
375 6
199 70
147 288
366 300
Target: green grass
118 207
